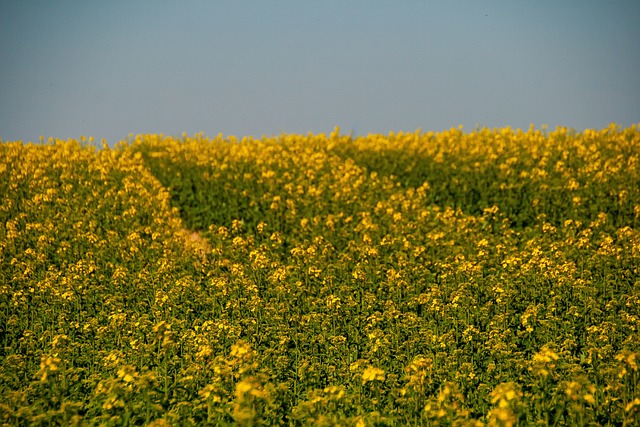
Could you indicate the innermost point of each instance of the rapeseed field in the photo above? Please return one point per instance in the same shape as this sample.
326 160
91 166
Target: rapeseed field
453 278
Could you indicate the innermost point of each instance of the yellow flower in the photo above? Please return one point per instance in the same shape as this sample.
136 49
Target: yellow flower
126 374
242 388
250 387
545 355
204 352
372 374
502 417
240 350
632 405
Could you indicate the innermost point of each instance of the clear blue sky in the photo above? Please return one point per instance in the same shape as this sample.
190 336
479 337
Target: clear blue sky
264 67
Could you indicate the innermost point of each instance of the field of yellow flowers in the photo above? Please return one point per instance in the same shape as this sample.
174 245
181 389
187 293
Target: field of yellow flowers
453 278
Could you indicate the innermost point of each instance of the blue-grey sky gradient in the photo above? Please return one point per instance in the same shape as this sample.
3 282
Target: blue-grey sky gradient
112 68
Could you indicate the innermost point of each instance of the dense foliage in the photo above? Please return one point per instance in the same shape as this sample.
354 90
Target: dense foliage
452 278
